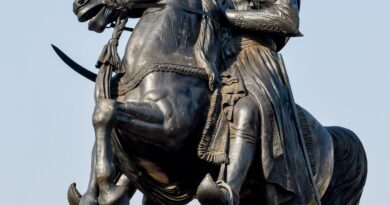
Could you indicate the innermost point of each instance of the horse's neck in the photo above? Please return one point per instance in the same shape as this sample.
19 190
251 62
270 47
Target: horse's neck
164 38
190 4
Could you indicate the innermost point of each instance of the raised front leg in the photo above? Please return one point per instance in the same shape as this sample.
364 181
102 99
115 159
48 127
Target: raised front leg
164 116
145 120
90 197
92 193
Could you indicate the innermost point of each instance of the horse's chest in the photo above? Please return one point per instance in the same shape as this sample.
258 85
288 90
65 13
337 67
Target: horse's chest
164 36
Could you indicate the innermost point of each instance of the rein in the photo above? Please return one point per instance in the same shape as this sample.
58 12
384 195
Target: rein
109 61
163 5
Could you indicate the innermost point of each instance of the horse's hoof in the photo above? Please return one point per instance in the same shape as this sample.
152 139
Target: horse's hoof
212 193
73 195
88 199
114 196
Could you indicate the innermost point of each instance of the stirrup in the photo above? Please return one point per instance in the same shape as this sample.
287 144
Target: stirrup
226 186
210 193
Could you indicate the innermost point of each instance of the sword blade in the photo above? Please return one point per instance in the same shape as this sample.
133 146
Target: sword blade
75 66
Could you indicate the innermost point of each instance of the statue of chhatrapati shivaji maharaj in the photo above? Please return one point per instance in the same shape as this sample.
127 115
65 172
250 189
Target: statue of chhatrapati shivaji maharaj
200 106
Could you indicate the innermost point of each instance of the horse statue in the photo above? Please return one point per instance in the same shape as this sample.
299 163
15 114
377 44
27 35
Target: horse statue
151 115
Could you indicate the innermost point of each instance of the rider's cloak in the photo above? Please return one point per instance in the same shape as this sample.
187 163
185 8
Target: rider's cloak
254 71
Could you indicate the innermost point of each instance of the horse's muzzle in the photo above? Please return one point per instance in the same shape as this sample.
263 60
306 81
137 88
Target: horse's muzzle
86 9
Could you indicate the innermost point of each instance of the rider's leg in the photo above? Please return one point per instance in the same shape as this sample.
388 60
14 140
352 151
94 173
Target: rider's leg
244 136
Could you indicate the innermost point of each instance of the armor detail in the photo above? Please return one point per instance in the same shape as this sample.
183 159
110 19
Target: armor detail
277 19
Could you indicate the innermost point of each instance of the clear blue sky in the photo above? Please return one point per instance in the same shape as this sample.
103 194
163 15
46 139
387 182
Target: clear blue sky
339 72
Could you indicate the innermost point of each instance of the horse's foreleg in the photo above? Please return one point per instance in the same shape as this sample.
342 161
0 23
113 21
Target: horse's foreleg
147 121
105 173
90 196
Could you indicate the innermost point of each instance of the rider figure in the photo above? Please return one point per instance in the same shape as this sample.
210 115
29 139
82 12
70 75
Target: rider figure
256 105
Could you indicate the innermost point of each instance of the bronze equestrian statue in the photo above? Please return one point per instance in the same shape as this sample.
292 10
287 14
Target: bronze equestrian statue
201 107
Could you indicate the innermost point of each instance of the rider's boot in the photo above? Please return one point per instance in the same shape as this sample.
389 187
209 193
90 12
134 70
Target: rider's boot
220 193
243 142
241 155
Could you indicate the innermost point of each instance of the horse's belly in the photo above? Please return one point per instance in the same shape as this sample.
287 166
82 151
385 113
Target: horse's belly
182 169
168 177
168 169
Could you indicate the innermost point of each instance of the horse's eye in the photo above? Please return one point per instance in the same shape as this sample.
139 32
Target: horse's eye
81 2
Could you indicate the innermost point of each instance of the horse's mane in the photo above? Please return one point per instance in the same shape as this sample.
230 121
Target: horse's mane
207 47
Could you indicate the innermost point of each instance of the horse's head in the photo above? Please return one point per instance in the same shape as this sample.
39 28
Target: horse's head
97 11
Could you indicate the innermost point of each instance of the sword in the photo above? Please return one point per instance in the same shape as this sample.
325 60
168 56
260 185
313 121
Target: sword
75 66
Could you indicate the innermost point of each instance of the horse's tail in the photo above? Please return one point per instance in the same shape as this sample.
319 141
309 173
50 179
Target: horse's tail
350 169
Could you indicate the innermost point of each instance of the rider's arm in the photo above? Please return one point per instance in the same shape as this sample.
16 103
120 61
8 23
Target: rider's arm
280 17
